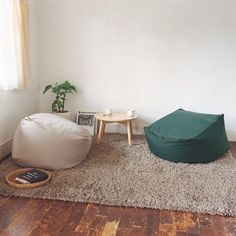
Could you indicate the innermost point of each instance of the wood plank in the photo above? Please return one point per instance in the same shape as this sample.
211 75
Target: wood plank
219 225
167 217
206 227
74 219
55 219
85 223
132 219
167 226
110 228
132 222
112 215
230 223
28 217
152 223
98 222
9 209
104 215
186 222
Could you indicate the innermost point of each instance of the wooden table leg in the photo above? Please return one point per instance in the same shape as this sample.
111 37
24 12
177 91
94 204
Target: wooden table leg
129 130
101 130
131 127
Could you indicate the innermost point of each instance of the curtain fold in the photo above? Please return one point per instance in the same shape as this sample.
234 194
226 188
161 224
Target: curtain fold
14 44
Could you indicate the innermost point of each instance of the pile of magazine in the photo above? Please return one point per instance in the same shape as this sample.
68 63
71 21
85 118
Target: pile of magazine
31 176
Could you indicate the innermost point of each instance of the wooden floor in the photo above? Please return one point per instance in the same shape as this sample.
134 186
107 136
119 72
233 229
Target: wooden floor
24 216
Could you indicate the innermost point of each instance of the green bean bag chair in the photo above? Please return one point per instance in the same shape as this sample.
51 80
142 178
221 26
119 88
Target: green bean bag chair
189 137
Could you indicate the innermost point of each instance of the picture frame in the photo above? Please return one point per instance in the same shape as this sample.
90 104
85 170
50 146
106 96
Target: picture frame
87 120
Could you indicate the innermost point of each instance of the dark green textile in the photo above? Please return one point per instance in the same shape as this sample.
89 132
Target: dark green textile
190 137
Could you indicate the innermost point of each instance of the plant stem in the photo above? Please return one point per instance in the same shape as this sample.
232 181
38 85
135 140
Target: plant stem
63 101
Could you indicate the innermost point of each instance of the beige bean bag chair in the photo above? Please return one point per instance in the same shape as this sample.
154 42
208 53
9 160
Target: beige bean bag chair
49 141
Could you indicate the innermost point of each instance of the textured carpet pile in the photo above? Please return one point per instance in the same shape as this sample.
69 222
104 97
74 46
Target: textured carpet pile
116 174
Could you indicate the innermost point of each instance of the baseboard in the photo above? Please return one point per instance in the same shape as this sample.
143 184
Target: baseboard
5 148
231 135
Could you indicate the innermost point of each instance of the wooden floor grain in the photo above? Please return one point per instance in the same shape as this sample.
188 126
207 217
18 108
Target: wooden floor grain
37 217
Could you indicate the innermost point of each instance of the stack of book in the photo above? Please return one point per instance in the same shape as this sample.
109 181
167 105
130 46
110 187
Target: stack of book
31 176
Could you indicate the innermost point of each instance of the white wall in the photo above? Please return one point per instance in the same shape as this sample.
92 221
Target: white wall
14 105
154 56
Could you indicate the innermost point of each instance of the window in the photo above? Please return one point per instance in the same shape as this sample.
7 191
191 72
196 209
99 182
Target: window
13 44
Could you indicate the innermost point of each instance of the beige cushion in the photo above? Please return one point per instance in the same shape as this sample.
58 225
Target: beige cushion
48 141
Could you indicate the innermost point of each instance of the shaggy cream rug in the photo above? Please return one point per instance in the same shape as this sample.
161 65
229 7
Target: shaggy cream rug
116 174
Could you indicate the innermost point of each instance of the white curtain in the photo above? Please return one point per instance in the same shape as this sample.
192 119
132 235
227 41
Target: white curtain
14 56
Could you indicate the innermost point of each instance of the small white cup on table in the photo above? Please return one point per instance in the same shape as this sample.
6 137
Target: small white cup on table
130 112
108 111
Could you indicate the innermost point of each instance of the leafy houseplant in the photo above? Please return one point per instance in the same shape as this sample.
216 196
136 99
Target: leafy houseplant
60 91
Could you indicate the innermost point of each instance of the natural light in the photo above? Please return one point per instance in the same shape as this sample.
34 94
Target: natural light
13 44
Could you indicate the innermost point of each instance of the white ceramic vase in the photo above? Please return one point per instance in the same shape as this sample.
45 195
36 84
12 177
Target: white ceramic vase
65 114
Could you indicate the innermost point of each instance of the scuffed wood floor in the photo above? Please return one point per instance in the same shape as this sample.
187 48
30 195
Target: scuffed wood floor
22 216
35 217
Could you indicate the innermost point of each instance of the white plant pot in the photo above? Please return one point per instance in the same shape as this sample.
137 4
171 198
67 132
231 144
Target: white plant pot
65 114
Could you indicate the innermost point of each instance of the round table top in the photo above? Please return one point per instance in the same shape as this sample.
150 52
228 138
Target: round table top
115 117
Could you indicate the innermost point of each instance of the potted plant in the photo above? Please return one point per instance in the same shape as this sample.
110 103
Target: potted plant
60 90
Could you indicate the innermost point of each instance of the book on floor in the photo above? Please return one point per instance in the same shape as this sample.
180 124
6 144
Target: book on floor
31 176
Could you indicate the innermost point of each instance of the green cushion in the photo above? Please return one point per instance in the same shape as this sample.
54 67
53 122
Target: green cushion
190 137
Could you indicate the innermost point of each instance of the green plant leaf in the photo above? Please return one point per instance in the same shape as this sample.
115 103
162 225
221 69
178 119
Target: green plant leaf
60 91
73 88
66 82
47 88
66 87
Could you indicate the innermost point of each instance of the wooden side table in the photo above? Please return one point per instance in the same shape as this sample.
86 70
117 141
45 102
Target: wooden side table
115 117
